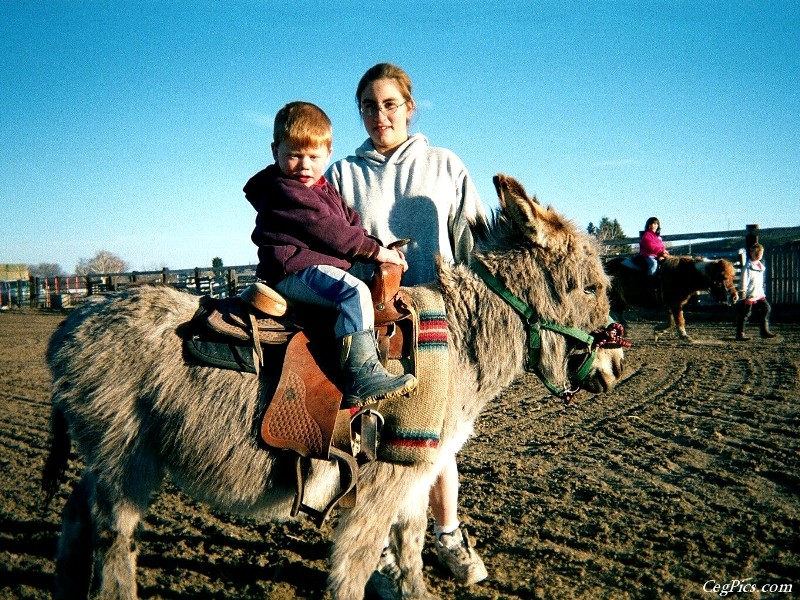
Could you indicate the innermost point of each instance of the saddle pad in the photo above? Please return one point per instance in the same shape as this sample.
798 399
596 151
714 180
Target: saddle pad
413 424
223 355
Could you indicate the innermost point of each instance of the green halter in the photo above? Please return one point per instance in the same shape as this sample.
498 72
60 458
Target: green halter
533 328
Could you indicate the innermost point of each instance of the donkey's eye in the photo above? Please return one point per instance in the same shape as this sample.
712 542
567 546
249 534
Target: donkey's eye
591 290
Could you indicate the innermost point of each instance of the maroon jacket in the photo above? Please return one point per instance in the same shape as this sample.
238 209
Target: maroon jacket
299 226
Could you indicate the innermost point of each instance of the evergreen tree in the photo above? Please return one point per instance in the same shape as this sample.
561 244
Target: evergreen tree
608 230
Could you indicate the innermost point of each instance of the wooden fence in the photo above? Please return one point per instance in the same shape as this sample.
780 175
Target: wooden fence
782 274
66 291
782 281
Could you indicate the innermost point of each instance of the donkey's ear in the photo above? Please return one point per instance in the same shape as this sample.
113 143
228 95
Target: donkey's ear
524 211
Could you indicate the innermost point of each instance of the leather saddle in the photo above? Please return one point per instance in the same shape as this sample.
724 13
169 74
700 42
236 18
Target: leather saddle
650 287
635 262
250 331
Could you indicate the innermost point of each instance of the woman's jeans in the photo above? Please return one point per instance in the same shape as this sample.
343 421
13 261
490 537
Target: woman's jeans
652 265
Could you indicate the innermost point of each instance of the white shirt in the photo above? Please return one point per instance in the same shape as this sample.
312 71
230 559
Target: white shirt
753 281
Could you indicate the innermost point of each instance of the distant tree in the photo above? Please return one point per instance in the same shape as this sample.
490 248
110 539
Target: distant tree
216 262
103 262
607 230
45 270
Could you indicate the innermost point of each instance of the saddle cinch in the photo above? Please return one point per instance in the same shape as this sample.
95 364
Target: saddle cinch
257 329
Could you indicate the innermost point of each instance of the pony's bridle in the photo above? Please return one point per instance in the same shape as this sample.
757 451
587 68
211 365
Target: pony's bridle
611 336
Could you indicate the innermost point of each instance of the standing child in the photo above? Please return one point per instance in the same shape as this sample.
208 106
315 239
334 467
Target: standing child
308 238
754 300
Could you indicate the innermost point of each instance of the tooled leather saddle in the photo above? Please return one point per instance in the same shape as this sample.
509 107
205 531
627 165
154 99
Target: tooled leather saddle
258 329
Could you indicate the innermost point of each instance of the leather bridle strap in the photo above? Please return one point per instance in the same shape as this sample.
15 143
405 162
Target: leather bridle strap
533 328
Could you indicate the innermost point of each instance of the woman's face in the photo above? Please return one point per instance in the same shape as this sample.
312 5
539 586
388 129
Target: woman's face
386 128
654 226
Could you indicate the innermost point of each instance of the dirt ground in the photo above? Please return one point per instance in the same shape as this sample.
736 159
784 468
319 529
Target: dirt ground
688 473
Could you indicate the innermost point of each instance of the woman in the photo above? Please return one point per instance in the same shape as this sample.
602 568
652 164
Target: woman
402 187
653 251
651 246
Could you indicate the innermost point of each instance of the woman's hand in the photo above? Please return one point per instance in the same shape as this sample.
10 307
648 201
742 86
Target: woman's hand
394 257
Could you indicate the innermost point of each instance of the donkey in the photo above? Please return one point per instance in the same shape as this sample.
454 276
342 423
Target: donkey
680 277
137 410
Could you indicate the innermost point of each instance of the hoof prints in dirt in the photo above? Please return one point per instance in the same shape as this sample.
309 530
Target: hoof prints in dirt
687 472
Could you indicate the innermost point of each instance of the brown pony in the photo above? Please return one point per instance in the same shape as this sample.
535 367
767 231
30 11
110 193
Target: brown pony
680 277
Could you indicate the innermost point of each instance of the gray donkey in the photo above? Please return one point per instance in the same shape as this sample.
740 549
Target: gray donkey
137 410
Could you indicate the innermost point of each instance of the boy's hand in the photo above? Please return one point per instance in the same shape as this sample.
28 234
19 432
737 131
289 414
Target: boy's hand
395 257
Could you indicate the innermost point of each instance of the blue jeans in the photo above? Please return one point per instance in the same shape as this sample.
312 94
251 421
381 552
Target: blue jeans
331 287
652 265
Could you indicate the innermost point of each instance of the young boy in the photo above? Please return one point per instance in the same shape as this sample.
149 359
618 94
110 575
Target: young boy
754 300
308 238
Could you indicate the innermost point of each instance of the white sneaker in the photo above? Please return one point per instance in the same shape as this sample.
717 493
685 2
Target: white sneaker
457 554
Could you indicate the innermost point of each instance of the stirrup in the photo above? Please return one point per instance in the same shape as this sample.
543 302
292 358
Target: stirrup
348 478
366 424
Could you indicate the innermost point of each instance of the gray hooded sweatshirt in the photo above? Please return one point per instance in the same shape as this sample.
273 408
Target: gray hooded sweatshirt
419 192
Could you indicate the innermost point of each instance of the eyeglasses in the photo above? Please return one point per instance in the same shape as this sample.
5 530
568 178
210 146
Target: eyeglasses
371 109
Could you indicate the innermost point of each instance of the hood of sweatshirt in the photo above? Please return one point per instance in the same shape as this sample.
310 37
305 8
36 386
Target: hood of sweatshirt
413 146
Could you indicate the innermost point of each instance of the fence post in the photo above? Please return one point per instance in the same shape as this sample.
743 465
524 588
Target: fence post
751 235
164 275
34 291
232 282
197 279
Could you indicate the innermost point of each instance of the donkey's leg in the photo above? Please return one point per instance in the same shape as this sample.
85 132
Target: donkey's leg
121 499
660 328
362 531
408 539
73 568
115 519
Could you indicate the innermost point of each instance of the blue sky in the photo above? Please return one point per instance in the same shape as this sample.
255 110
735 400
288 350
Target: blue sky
131 126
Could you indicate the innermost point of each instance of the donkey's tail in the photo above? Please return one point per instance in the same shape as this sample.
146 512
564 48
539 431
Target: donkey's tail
57 460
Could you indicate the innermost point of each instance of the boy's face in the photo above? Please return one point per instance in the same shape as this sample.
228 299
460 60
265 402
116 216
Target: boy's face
305 165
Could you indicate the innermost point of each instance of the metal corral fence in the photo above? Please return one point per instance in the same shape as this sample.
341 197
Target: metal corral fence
782 260
70 290
782 281
782 274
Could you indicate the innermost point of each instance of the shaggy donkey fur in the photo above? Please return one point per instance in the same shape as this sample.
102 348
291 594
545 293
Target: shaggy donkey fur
137 410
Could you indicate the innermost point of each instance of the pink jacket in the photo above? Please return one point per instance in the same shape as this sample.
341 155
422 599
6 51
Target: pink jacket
651 244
